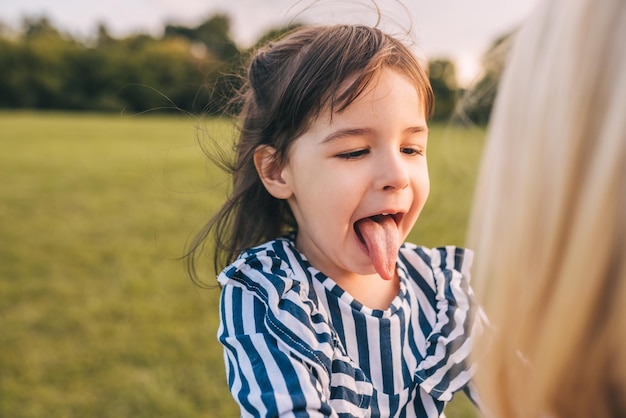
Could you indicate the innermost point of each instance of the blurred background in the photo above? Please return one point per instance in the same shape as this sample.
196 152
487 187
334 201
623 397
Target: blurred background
104 108
145 55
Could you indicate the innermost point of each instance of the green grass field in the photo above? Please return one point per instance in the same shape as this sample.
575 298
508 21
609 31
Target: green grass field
97 315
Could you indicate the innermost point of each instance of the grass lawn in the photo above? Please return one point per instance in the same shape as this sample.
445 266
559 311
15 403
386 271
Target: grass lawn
97 316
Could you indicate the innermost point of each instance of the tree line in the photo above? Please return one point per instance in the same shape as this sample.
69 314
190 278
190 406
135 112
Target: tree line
190 69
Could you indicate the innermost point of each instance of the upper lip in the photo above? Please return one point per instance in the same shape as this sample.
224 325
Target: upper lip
397 215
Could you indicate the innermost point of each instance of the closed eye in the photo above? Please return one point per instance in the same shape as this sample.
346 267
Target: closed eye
353 155
412 151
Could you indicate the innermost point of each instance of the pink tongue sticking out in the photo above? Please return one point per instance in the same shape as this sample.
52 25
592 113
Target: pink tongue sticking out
382 239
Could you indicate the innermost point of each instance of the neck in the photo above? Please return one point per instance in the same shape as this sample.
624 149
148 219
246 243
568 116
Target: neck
371 290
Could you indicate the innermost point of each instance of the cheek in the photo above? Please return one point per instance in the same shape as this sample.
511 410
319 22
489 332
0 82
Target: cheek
421 189
325 178
425 189
421 179
329 199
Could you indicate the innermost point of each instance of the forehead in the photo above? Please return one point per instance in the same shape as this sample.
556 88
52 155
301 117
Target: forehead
357 85
389 101
381 83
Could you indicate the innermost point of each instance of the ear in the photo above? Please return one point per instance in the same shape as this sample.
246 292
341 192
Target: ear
270 173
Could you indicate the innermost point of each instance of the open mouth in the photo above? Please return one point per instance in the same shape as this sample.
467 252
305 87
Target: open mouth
379 219
381 239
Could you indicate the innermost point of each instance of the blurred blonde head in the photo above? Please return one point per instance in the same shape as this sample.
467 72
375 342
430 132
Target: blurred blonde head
549 221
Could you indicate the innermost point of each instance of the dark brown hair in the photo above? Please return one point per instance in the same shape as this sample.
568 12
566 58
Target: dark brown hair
289 83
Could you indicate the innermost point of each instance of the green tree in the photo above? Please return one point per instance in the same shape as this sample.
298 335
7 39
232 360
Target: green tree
39 27
214 34
477 102
442 75
38 66
158 74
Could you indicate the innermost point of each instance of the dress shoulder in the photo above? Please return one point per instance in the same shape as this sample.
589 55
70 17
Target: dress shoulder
268 269
277 275
440 278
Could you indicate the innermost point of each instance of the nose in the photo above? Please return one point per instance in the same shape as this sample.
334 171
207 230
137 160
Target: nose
393 173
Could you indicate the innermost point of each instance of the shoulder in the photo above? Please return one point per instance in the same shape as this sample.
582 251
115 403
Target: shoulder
439 278
276 275
275 266
448 258
275 280
437 271
436 268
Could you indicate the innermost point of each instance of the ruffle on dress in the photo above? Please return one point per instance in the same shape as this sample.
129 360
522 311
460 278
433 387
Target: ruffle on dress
446 367
294 319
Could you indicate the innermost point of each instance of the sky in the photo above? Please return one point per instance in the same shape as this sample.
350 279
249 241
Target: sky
460 30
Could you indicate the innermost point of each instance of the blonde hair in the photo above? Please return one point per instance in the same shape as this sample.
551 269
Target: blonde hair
549 220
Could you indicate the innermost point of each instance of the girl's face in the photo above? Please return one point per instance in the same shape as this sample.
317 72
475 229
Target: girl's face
368 160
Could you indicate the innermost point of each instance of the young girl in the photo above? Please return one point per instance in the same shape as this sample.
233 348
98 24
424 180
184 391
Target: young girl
324 310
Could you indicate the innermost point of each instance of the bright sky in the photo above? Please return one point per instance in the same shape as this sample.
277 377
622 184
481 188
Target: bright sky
461 30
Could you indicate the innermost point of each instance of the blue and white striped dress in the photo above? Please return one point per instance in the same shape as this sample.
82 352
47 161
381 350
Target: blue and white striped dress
296 344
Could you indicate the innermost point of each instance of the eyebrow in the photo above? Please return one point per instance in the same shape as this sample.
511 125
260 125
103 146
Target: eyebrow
343 133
